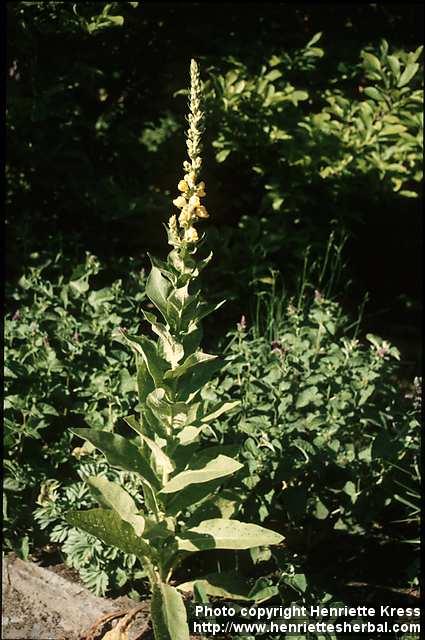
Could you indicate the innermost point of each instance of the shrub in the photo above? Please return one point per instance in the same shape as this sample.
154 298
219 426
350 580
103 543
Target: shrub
321 419
60 368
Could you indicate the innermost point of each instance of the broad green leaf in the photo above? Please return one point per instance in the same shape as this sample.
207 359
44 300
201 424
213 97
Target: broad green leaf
147 349
408 74
192 363
158 290
168 613
226 534
191 495
310 394
162 461
112 496
372 62
321 512
222 155
119 452
173 350
273 75
375 94
145 384
221 585
394 66
188 435
106 525
218 468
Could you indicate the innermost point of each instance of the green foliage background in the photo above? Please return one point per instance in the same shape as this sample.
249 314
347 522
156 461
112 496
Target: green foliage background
315 130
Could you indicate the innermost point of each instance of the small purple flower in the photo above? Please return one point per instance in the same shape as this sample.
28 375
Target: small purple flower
16 315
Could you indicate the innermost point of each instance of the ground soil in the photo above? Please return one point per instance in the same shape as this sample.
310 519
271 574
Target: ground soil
50 603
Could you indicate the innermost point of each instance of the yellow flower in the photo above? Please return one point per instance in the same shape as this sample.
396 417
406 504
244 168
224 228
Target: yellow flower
194 202
201 212
190 178
191 235
185 217
200 189
183 186
179 202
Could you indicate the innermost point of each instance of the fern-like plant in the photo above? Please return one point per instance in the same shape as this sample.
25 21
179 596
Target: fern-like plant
179 475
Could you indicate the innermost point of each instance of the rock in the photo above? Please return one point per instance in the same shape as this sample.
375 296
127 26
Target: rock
39 604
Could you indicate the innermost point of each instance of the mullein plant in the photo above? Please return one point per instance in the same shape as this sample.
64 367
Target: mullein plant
180 476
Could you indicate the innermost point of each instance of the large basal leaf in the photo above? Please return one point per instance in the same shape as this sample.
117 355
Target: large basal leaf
119 452
220 467
226 534
112 496
106 525
168 613
222 585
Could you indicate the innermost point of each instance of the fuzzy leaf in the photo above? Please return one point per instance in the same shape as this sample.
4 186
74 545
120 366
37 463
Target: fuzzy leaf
106 525
221 585
218 468
168 613
119 452
226 534
112 496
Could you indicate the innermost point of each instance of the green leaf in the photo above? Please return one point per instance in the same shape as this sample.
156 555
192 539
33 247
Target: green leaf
119 452
408 74
191 495
145 384
224 408
273 75
162 461
372 92
112 496
217 468
193 363
147 349
106 525
321 512
314 39
226 534
371 62
222 155
308 395
220 585
394 66
173 350
158 290
168 613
